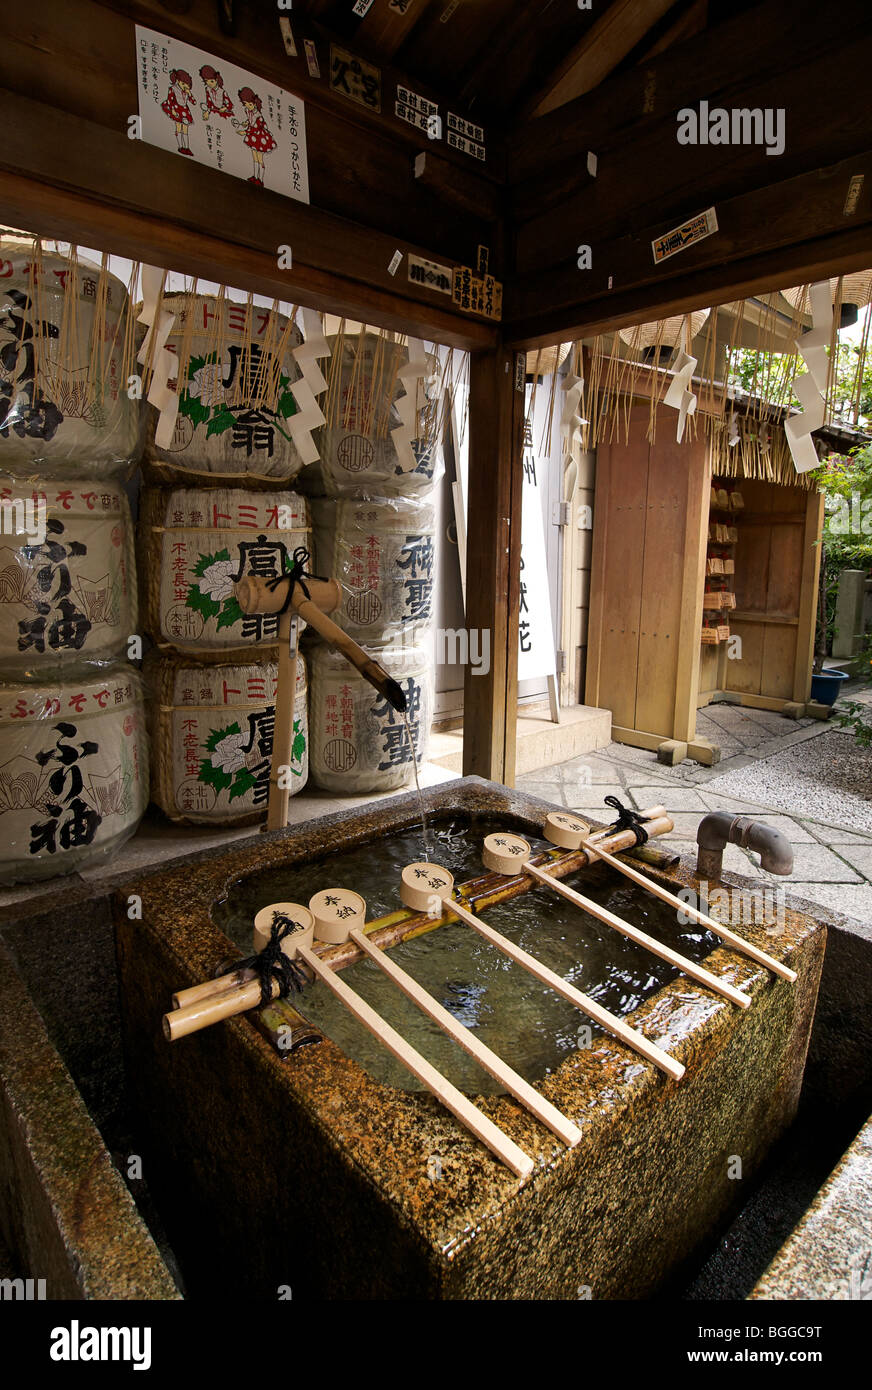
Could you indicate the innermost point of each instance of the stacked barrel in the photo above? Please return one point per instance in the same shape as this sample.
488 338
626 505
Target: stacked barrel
374 533
73 753
218 506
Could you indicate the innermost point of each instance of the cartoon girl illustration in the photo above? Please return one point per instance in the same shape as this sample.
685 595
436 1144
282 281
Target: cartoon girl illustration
255 132
217 101
177 106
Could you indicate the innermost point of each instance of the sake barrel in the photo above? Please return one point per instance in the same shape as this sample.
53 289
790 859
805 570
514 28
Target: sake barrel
67 577
73 772
357 740
67 349
358 454
212 738
193 545
236 394
382 555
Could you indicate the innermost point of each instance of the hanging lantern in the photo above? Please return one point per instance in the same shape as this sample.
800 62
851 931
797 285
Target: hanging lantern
856 293
658 341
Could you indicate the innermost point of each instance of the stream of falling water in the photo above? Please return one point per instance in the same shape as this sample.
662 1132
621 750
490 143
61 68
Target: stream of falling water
425 828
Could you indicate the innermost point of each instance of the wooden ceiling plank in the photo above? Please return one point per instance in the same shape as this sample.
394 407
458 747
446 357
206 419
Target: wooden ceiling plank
699 67
611 38
692 21
386 29
654 177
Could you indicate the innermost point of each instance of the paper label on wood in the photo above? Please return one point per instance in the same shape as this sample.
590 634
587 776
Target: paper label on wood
414 109
536 656
430 274
210 110
460 126
694 229
311 58
354 78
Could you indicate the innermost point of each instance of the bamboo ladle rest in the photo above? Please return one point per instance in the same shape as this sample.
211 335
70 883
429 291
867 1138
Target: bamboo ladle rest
656 821
337 915
569 832
300 596
441 885
507 854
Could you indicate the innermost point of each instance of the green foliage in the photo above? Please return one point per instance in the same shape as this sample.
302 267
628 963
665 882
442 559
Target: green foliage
856 716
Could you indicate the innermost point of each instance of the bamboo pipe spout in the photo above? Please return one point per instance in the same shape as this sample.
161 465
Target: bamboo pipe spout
257 595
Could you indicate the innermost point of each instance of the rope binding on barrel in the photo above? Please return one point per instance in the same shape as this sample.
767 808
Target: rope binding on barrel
628 820
297 574
272 964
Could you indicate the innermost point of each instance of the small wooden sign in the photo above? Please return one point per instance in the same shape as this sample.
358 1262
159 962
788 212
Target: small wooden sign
354 78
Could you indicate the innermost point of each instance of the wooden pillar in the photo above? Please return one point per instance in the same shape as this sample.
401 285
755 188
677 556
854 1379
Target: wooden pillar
808 595
493 560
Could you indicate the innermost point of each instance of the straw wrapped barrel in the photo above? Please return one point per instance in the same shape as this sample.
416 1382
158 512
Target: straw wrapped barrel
382 554
67 600
357 741
358 455
212 738
73 772
67 348
192 545
236 395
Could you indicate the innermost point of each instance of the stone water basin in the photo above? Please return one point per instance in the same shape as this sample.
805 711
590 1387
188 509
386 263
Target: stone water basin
323 1170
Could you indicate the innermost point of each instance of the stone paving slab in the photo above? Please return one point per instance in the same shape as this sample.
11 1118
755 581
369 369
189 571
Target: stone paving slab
818 863
672 797
860 856
591 798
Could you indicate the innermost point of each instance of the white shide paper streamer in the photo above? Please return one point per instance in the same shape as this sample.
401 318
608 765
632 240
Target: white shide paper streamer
572 420
407 406
679 395
309 413
164 363
810 387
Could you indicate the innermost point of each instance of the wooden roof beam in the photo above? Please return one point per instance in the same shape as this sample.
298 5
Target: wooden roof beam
624 24
798 230
134 199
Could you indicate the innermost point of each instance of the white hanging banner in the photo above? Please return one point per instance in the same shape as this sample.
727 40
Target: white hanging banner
536 655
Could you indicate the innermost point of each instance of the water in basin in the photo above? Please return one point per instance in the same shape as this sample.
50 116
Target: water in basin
522 1020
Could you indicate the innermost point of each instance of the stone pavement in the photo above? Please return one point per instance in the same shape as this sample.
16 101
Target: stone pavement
832 864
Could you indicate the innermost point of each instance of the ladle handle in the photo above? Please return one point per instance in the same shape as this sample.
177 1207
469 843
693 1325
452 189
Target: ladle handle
465 1038
506 1150
737 942
696 972
607 1020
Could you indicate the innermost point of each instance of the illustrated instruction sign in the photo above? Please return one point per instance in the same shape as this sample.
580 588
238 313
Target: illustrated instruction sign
209 110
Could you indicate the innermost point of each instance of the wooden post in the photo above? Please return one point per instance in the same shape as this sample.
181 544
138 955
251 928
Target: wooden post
493 560
283 731
808 596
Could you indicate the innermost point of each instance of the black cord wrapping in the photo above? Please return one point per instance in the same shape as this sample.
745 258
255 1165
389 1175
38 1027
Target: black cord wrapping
628 820
272 964
297 574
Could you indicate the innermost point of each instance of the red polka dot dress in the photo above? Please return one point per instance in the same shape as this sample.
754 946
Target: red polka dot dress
257 136
174 109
